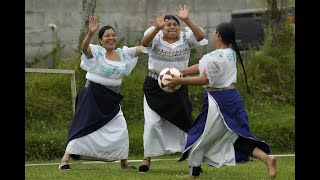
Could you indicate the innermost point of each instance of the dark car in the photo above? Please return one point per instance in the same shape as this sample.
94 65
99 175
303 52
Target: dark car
249 25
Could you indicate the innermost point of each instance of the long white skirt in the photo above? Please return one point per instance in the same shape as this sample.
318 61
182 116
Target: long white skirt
109 143
215 145
160 136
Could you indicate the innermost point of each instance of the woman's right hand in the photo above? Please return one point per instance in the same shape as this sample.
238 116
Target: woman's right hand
93 25
182 13
150 23
159 16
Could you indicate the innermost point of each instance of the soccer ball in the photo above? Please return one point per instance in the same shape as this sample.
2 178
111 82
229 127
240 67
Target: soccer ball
167 73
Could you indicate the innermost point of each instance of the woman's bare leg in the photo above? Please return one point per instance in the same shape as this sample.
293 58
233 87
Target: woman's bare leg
64 162
270 161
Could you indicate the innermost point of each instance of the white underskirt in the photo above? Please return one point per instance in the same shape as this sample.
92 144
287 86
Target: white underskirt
215 145
160 136
109 143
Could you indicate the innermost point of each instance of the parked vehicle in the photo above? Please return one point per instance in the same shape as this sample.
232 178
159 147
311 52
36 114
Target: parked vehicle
249 26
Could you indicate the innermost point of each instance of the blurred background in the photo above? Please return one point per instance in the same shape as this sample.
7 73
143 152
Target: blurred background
47 22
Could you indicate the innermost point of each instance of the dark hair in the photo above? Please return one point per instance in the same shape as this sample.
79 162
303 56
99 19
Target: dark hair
227 32
171 17
228 36
103 29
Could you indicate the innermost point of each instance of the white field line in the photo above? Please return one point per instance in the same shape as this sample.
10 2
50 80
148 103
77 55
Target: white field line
96 162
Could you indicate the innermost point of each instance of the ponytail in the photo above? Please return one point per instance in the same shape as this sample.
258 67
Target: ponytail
236 48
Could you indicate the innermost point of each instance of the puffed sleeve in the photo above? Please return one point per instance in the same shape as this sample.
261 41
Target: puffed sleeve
155 39
212 66
89 64
192 41
128 56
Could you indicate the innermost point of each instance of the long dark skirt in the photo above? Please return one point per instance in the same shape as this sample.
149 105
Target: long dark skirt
175 107
96 105
235 117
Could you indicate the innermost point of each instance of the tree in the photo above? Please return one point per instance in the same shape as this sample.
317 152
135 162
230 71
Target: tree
276 20
88 9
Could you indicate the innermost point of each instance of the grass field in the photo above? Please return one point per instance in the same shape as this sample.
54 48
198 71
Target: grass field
165 168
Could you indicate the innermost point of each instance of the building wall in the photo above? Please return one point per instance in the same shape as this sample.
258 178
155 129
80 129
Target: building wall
129 17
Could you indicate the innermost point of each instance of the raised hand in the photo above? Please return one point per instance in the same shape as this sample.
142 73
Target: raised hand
93 25
159 16
150 23
182 13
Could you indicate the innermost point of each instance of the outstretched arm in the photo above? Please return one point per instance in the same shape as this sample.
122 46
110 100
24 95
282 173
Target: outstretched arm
197 80
183 14
147 39
138 51
194 69
93 26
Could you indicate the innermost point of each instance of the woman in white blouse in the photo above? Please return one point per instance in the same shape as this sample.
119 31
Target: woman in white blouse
98 129
167 115
221 134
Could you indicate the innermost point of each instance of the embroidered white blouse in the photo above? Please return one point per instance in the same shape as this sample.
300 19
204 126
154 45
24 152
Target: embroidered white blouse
107 72
163 54
220 67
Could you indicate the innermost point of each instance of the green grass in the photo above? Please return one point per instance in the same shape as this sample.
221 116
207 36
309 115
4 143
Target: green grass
49 112
164 169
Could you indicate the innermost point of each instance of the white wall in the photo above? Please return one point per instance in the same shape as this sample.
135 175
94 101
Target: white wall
129 17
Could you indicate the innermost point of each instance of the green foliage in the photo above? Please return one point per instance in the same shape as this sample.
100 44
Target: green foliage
274 124
120 42
195 56
47 142
271 76
47 122
43 94
196 97
132 107
271 69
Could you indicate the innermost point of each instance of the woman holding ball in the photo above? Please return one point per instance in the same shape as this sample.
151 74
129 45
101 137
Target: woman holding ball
167 115
221 134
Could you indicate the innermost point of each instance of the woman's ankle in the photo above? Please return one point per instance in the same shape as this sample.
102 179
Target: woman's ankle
146 161
147 158
124 161
64 160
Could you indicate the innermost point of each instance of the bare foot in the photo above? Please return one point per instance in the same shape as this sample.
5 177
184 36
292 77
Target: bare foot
272 166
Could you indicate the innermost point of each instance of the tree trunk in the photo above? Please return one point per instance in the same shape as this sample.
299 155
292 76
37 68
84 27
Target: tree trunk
88 9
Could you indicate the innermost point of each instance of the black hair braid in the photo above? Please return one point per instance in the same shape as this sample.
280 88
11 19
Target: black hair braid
236 48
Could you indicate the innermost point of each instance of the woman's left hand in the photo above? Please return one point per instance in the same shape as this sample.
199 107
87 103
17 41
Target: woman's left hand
182 13
174 81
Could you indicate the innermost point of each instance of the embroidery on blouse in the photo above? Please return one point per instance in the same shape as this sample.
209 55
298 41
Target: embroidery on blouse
217 53
101 51
173 53
214 69
109 70
231 57
121 53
